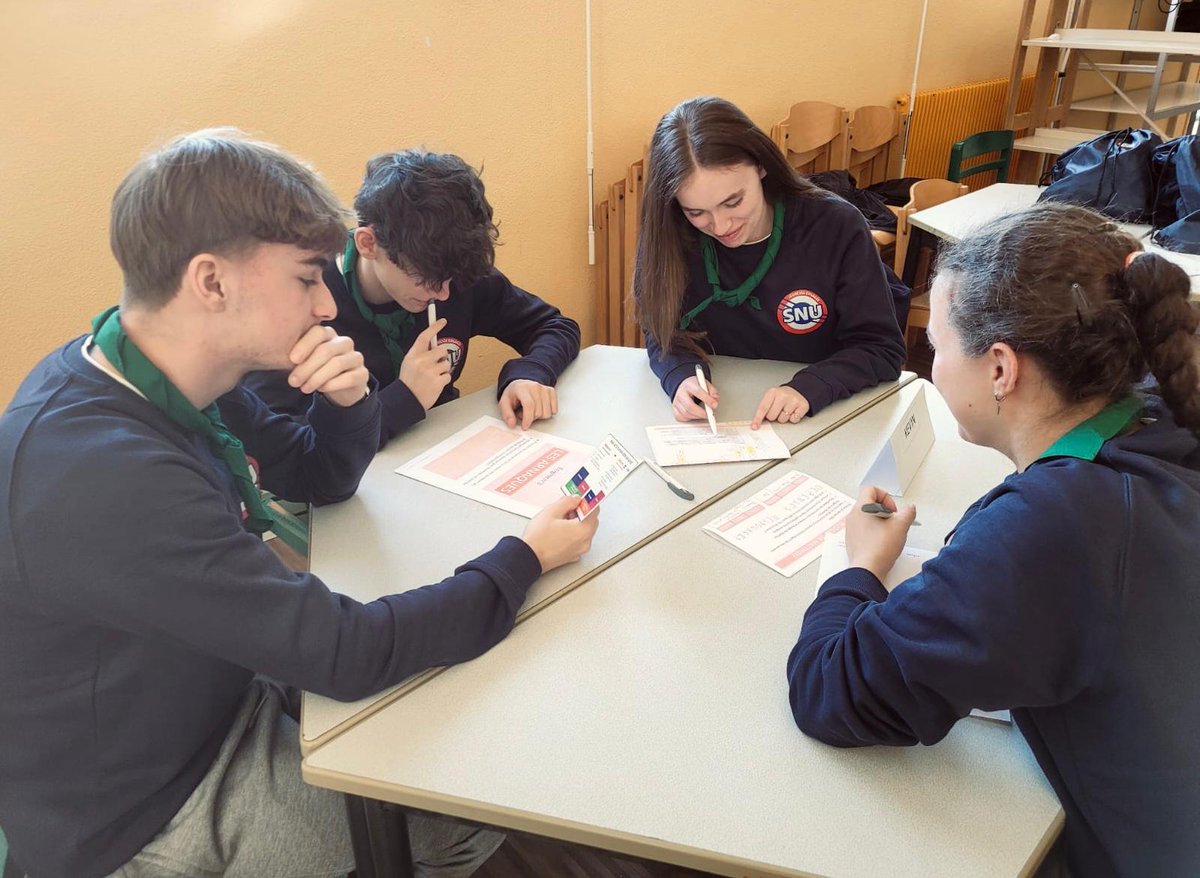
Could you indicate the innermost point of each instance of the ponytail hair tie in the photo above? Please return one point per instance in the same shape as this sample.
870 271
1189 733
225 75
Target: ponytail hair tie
1132 256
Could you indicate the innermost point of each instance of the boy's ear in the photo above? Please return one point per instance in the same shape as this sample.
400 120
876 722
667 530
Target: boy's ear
204 277
365 242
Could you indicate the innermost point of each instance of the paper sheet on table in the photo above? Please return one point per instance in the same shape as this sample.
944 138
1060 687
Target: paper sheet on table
515 470
834 560
683 444
784 524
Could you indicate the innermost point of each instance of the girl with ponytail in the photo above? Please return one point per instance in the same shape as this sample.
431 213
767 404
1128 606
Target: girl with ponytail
1070 593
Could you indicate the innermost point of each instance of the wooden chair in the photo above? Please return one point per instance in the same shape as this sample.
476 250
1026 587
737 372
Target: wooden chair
813 137
922 194
875 144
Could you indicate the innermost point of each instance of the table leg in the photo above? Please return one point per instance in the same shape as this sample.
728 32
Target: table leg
379 835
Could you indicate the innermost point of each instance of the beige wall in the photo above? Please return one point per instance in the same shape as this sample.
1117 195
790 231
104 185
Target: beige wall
87 85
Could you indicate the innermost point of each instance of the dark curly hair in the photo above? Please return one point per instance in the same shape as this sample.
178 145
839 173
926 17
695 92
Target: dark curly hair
1052 281
430 216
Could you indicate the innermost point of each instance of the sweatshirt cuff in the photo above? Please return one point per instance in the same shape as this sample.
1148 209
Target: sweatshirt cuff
513 563
818 393
856 582
524 369
328 419
679 374
400 409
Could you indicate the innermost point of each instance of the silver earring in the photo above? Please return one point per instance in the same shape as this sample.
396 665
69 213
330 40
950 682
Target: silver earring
999 397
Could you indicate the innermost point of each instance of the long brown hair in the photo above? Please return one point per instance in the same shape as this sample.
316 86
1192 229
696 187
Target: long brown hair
1052 281
703 132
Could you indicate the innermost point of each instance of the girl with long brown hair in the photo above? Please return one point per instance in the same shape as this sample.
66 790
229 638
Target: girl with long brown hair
738 255
1070 593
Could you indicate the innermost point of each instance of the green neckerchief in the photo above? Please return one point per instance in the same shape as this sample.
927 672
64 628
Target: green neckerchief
392 327
124 355
737 296
1084 439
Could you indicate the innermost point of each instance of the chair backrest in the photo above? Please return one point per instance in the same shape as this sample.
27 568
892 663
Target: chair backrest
922 194
875 145
983 143
813 137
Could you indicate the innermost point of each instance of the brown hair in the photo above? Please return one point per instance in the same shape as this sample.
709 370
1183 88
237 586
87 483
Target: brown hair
214 191
429 214
1052 282
703 132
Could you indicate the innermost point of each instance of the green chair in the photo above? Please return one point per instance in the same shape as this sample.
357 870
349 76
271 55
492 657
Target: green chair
981 144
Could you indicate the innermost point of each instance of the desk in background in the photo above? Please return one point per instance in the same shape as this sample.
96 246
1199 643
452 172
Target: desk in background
647 713
953 219
396 534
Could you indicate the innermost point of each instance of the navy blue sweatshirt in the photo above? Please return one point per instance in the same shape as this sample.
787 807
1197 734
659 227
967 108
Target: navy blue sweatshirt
826 301
1070 594
494 307
134 606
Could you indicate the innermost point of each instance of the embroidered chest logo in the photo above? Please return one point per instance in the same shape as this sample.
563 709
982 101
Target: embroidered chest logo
801 312
454 348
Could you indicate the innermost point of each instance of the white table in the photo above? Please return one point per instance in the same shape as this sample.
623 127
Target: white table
952 220
396 534
647 713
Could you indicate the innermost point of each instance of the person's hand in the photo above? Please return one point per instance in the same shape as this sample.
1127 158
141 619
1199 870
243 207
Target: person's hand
782 404
424 371
327 363
557 537
685 406
872 542
535 402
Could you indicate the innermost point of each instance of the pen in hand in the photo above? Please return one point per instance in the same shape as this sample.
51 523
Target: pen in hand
880 511
712 421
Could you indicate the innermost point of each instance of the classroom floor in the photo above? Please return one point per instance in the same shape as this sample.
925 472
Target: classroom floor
530 856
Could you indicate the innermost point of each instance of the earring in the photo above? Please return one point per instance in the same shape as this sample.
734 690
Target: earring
999 397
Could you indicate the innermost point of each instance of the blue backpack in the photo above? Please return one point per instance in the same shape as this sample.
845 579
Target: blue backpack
1177 206
1111 173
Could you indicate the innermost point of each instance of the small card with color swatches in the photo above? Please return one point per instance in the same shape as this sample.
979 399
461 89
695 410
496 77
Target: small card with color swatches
607 467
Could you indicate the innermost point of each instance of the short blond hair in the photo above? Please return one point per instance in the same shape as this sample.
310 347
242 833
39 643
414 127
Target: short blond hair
215 191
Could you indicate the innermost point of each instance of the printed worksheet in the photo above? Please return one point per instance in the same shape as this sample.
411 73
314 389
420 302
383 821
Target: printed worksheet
516 470
684 444
784 525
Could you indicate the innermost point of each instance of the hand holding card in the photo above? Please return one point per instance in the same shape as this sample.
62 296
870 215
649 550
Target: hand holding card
608 466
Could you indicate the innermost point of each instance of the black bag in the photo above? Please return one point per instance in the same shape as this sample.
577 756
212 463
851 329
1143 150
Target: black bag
871 206
1177 207
1111 173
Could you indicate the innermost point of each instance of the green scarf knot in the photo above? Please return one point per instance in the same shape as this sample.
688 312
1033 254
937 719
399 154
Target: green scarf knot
124 355
392 327
742 293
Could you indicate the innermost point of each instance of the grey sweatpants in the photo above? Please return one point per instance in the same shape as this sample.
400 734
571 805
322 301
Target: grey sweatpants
252 815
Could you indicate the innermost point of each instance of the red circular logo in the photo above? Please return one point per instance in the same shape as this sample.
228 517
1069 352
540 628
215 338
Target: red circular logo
453 348
801 312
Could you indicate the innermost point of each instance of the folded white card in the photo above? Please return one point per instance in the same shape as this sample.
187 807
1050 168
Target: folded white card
904 451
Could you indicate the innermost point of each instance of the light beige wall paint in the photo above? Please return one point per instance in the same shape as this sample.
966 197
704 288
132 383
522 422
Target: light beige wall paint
88 85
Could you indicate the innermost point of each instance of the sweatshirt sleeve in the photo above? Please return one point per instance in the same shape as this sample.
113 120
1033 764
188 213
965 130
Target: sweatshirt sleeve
870 343
194 577
547 340
320 461
672 367
1019 610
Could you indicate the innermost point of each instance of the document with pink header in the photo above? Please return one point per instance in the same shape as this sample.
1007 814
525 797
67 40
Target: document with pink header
515 470
784 524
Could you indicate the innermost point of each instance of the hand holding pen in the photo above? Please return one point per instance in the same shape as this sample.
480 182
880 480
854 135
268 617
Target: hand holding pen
876 530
